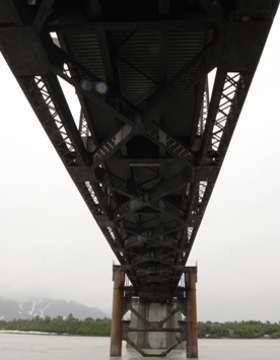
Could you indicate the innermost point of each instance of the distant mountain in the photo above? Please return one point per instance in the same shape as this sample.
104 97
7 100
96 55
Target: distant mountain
11 309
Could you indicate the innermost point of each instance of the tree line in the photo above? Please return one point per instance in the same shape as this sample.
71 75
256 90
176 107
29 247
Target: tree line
101 327
241 330
60 325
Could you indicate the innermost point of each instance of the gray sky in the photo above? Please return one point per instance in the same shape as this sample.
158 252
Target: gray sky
51 246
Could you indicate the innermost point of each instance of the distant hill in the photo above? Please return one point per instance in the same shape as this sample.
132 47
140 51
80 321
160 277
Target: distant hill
11 309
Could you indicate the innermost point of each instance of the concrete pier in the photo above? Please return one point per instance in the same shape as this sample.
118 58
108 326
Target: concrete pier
154 328
154 313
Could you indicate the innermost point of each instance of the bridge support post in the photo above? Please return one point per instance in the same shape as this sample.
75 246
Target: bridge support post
116 325
154 326
191 318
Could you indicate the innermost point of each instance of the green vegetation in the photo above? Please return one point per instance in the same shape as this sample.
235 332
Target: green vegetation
70 325
101 327
241 330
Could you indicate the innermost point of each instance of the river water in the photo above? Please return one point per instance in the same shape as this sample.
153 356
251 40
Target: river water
44 347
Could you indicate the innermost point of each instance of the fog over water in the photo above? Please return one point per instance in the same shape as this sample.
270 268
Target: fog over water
50 246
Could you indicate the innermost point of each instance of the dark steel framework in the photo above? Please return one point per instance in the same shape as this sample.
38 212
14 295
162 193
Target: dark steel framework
152 134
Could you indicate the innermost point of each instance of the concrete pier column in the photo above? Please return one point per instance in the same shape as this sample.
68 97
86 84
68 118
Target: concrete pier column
192 345
136 322
116 325
147 315
141 336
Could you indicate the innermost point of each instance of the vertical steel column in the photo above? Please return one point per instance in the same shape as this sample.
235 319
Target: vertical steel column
116 325
191 321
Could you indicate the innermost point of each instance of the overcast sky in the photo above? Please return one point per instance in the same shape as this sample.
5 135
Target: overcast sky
51 246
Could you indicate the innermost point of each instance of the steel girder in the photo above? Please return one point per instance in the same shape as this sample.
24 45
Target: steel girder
152 134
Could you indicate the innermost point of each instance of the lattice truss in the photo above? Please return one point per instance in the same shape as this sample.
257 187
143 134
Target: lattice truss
152 133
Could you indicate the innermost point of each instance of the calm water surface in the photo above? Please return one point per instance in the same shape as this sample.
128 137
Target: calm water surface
42 347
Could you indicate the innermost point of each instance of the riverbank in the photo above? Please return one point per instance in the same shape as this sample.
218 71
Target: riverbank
101 327
20 332
59 325
42 333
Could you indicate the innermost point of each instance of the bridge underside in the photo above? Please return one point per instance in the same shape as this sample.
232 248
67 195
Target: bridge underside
153 125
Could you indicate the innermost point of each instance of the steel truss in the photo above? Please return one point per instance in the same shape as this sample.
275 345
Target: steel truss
152 135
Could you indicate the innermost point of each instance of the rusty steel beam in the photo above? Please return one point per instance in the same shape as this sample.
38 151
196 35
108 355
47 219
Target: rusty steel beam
191 318
116 324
